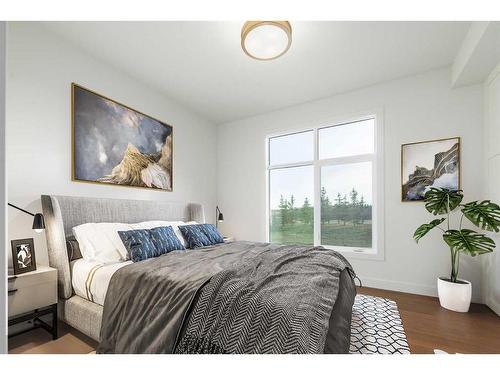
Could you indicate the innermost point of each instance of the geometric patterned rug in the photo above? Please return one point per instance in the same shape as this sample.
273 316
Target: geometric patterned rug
376 327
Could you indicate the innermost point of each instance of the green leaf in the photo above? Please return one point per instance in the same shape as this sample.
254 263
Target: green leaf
486 215
436 200
468 241
425 228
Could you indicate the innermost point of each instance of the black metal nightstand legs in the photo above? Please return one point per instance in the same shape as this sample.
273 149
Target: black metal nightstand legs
37 322
55 330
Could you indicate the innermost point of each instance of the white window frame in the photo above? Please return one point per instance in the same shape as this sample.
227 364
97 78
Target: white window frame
377 159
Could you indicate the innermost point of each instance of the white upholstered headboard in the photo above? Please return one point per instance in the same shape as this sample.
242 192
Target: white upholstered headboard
62 213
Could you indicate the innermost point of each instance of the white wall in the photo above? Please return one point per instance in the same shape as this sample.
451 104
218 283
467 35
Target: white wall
418 108
491 269
3 227
41 67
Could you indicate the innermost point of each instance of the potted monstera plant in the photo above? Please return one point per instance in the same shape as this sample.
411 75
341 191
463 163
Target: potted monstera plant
454 293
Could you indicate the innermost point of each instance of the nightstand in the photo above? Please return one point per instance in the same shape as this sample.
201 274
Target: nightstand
228 239
32 295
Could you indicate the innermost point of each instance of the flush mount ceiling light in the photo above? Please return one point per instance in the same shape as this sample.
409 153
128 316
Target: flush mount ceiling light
266 40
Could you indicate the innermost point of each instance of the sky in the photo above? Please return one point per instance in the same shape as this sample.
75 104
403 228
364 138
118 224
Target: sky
347 140
103 129
291 148
334 141
336 179
338 141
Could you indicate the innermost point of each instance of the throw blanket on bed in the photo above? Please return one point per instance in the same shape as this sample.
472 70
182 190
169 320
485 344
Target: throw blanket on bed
250 298
279 302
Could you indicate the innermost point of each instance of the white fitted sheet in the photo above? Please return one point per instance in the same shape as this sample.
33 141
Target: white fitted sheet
90 279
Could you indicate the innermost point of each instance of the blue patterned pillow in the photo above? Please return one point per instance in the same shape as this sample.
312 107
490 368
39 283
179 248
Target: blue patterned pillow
194 236
139 244
165 240
199 235
212 233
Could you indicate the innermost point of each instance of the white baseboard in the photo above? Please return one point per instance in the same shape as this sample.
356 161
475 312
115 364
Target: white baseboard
495 306
401 286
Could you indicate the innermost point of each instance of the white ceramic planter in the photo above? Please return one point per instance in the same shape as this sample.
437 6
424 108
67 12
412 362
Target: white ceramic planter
454 296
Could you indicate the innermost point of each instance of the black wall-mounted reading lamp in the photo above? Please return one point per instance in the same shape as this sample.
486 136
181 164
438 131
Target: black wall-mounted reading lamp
38 220
219 216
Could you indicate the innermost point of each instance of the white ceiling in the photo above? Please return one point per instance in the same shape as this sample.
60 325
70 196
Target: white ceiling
202 66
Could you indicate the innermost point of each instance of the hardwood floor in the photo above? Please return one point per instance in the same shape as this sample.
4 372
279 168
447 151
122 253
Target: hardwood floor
427 326
39 341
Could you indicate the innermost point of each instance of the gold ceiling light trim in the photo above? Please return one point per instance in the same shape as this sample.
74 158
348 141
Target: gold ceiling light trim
250 26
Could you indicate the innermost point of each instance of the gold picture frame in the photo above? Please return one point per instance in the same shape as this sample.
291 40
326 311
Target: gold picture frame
160 177
422 177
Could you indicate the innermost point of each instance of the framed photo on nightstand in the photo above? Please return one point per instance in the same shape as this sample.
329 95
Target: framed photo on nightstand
23 255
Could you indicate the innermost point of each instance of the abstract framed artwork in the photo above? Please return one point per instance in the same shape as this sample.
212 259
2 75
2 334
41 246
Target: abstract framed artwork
115 144
429 164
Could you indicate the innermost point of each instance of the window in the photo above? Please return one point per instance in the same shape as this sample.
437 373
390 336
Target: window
322 187
301 143
291 192
346 205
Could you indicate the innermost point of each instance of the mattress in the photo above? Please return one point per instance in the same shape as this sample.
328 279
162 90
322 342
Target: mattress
90 280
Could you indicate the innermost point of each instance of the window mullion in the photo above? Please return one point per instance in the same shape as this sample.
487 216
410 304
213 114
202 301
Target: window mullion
317 188
348 159
290 165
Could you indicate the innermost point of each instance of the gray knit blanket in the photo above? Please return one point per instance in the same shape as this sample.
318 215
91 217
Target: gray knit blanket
278 302
239 297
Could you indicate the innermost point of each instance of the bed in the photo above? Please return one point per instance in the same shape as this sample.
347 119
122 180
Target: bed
101 310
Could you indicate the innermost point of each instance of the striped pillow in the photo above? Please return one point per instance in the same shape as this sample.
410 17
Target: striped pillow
212 233
200 235
165 239
194 236
139 244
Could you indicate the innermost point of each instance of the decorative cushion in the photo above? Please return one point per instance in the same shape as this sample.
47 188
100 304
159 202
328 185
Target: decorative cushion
73 249
199 235
139 244
212 233
194 236
165 239
159 223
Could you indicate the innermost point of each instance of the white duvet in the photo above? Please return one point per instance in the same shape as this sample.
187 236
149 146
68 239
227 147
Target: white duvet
90 280
103 254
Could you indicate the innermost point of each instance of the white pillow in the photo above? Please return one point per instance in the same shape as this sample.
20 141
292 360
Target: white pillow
100 242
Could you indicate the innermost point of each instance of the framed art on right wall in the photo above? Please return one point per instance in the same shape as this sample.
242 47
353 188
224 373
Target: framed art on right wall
429 164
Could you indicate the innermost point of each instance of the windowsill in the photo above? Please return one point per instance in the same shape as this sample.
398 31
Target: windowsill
357 253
